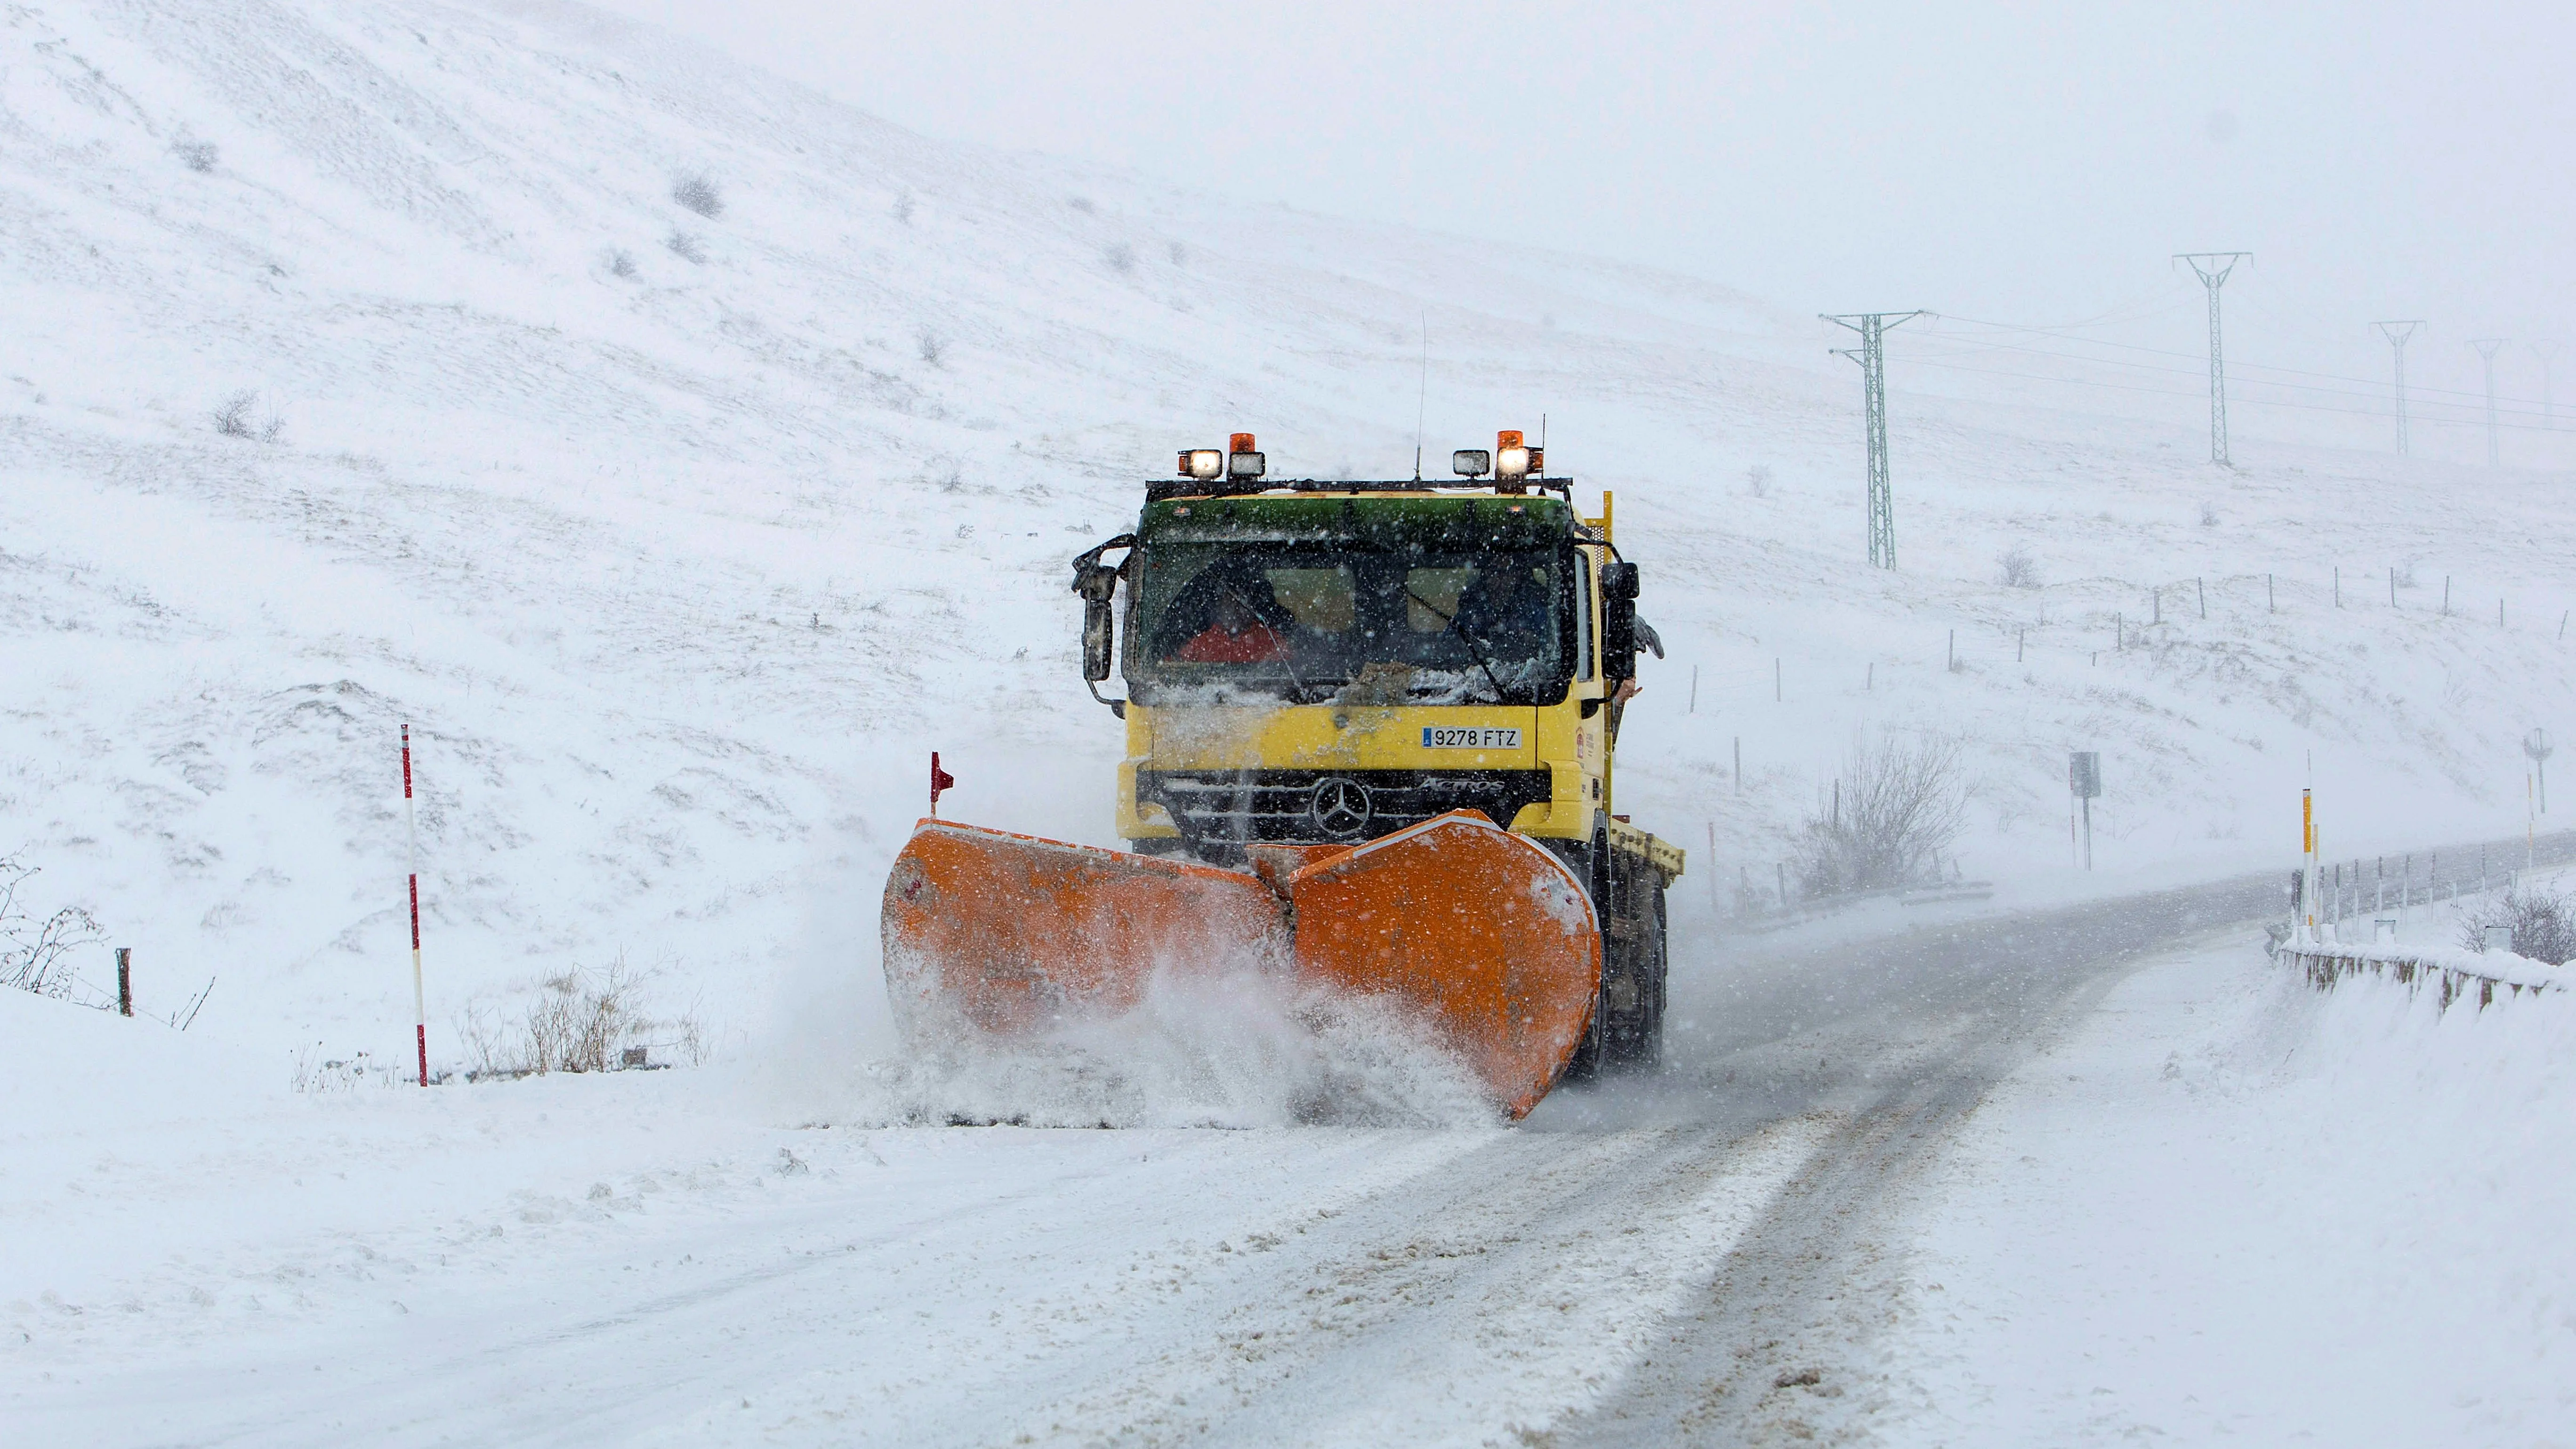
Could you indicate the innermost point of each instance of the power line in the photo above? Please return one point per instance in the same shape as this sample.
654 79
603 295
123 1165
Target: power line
2177 392
1872 357
2241 367
2212 269
2361 390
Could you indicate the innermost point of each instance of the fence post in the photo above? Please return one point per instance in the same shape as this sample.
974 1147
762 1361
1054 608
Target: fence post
2202 590
125 981
1739 764
1775 679
2267 595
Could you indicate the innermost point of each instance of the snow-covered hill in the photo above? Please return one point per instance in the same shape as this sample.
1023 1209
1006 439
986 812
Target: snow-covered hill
681 538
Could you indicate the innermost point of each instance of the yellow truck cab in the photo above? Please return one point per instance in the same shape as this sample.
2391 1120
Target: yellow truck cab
1325 661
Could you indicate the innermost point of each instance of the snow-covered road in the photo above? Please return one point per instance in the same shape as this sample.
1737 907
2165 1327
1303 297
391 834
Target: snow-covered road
1716 1256
654 1258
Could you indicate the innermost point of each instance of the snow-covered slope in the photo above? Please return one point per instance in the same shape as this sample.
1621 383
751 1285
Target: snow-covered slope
681 539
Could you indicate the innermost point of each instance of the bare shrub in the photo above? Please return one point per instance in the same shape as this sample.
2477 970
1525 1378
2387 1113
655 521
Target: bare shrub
621 263
1179 254
686 246
933 349
1120 256
239 416
903 205
316 1074
1081 204
1757 480
2209 515
2017 569
233 416
36 955
699 193
579 1021
1900 803
2403 575
2544 926
199 156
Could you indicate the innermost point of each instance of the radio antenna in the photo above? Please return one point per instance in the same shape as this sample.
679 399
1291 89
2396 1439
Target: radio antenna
1422 403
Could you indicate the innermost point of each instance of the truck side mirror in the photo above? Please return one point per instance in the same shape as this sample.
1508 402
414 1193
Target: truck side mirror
1618 621
1097 582
1095 635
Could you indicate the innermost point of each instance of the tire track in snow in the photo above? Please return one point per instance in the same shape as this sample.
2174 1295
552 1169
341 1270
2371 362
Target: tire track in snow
1485 1297
1542 1317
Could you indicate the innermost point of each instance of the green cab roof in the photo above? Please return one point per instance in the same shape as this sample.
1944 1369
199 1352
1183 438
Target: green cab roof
1437 520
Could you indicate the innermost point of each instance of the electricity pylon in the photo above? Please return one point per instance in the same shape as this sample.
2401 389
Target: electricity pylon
2547 352
2397 340
2487 348
1872 357
2212 269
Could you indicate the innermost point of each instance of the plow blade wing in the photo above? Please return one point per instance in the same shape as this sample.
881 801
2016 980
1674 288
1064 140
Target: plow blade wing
1477 935
1017 934
1475 931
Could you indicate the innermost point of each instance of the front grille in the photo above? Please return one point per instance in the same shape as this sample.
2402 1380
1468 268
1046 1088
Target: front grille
1217 809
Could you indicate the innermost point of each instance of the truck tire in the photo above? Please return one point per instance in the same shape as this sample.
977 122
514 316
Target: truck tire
1633 1027
1645 1045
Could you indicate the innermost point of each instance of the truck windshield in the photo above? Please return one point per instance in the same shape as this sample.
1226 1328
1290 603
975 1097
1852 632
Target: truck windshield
1307 621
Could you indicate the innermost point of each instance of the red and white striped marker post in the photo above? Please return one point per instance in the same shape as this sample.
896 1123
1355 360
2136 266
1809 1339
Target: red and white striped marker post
411 848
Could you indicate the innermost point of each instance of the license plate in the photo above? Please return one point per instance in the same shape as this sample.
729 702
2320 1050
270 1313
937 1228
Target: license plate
1470 737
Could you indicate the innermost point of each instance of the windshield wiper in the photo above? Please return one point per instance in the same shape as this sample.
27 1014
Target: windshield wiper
1449 625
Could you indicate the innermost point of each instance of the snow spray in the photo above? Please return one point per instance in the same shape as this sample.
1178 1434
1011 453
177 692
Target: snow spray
411 853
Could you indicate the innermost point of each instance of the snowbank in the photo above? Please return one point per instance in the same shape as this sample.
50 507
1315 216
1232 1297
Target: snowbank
2231 1206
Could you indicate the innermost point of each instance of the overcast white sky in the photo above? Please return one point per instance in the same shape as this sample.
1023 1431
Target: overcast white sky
2023 163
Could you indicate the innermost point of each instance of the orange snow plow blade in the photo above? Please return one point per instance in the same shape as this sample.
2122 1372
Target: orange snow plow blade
1481 937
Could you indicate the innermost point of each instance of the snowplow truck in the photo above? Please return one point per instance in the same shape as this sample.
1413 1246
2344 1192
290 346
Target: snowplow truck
1371 733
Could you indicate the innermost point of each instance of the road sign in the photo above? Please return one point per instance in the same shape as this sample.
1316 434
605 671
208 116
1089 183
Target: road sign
2084 782
2536 745
2084 775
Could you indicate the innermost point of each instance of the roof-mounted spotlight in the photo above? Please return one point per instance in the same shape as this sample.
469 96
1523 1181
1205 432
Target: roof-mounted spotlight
1471 462
1242 460
1203 464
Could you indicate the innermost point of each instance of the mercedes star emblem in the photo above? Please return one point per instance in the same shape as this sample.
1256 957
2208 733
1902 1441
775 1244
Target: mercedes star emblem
1341 807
